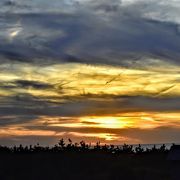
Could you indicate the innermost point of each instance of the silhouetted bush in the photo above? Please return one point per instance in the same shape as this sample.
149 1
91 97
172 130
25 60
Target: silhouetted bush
61 146
139 149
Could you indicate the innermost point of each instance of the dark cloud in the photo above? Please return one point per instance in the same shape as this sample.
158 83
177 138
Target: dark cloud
15 120
137 34
92 37
32 84
30 106
24 84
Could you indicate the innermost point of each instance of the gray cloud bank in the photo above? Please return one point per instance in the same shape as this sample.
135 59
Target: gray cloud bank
106 32
15 109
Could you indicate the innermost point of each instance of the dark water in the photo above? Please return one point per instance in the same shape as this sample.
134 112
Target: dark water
144 146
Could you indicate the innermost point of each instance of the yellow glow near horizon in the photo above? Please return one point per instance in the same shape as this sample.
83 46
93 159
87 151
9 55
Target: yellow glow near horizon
70 82
94 127
106 122
106 136
142 120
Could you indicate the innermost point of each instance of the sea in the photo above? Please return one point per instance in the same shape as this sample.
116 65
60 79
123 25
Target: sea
149 146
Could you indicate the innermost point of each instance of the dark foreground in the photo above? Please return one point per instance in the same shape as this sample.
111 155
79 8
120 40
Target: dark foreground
84 166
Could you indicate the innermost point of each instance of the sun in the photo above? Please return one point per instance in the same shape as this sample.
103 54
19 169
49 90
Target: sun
106 122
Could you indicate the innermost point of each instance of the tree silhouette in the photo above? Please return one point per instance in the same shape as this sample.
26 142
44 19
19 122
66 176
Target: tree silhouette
61 144
139 149
127 148
83 147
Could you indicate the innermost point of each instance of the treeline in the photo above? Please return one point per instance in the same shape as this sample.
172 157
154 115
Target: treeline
61 146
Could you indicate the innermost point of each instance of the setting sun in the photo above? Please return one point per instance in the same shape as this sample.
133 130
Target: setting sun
106 122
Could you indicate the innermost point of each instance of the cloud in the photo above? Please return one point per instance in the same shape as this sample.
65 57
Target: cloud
130 136
15 120
27 140
136 34
25 84
34 6
26 105
97 32
33 84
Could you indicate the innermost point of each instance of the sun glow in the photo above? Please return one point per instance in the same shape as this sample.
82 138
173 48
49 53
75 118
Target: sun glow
78 100
92 128
106 136
106 122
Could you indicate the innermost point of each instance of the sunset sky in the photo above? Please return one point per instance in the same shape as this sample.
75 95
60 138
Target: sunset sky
106 70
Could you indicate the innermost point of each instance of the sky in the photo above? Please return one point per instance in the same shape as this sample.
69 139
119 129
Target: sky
106 70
